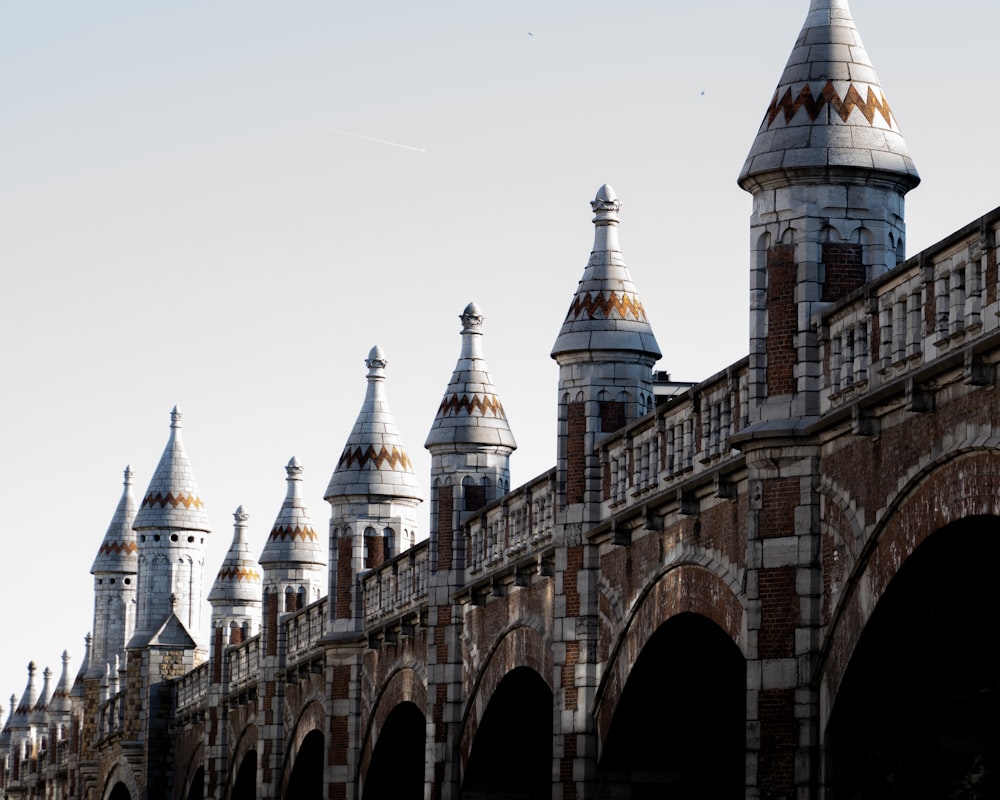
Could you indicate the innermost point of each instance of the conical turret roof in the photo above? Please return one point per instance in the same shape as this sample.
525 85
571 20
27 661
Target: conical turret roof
5 731
118 551
374 461
829 112
39 713
470 412
173 499
60 702
238 580
19 721
293 539
606 313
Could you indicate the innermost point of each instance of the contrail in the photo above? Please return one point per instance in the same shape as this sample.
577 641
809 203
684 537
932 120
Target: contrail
373 139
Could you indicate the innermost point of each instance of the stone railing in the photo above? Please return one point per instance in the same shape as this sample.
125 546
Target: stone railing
924 311
244 663
397 586
304 629
111 716
192 688
520 524
687 436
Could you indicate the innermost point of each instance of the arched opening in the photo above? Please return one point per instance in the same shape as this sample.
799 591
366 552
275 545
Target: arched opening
397 765
917 712
197 789
679 729
512 752
245 785
120 792
306 780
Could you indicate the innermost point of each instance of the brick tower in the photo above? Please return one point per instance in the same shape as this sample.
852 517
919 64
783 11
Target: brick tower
114 570
828 172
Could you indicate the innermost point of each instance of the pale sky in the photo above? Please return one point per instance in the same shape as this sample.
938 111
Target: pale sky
206 204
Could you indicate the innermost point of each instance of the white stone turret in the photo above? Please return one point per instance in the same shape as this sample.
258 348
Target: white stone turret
172 530
115 570
605 351
236 594
373 495
470 442
828 172
295 556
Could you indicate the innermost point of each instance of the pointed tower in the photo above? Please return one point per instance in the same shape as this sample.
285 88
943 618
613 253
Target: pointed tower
470 442
373 495
294 558
114 571
605 351
236 594
172 530
828 172
22 743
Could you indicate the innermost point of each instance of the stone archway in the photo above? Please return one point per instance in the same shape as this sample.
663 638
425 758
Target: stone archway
398 760
679 726
916 711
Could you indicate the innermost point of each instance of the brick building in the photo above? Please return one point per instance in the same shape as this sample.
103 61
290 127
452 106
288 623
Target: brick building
772 584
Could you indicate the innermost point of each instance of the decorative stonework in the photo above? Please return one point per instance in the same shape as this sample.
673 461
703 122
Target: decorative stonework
597 306
154 499
239 574
283 532
356 458
477 404
789 106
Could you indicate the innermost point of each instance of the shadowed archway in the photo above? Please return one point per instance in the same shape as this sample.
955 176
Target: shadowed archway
917 712
245 785
679 729
306 779
511 754
397 766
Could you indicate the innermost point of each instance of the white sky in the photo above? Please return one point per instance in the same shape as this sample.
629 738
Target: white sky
184 218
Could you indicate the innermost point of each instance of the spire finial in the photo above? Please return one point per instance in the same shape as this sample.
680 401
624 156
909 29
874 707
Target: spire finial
128 475
176 417
472 319
294 469
376 361
606 206
241 516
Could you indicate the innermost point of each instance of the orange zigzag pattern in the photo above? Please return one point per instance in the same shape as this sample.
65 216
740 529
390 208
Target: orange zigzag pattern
172 500
395 458
621 304
481 403
114 548
239 573
282 532
814 105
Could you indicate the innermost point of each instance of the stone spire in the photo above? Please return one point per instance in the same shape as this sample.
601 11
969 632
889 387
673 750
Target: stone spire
374 461
829 112
295 556
39 716
470 412
828 172
171 525
173 499
19 720
606 313
5 730
373 495
60 702
238 581
81 673
606 351
118 551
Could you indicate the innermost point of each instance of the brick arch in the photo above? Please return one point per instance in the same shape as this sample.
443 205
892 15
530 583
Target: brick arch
246 741
684 588
406 685
312 717
189 771
518 646
121 772
841 539
964 486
